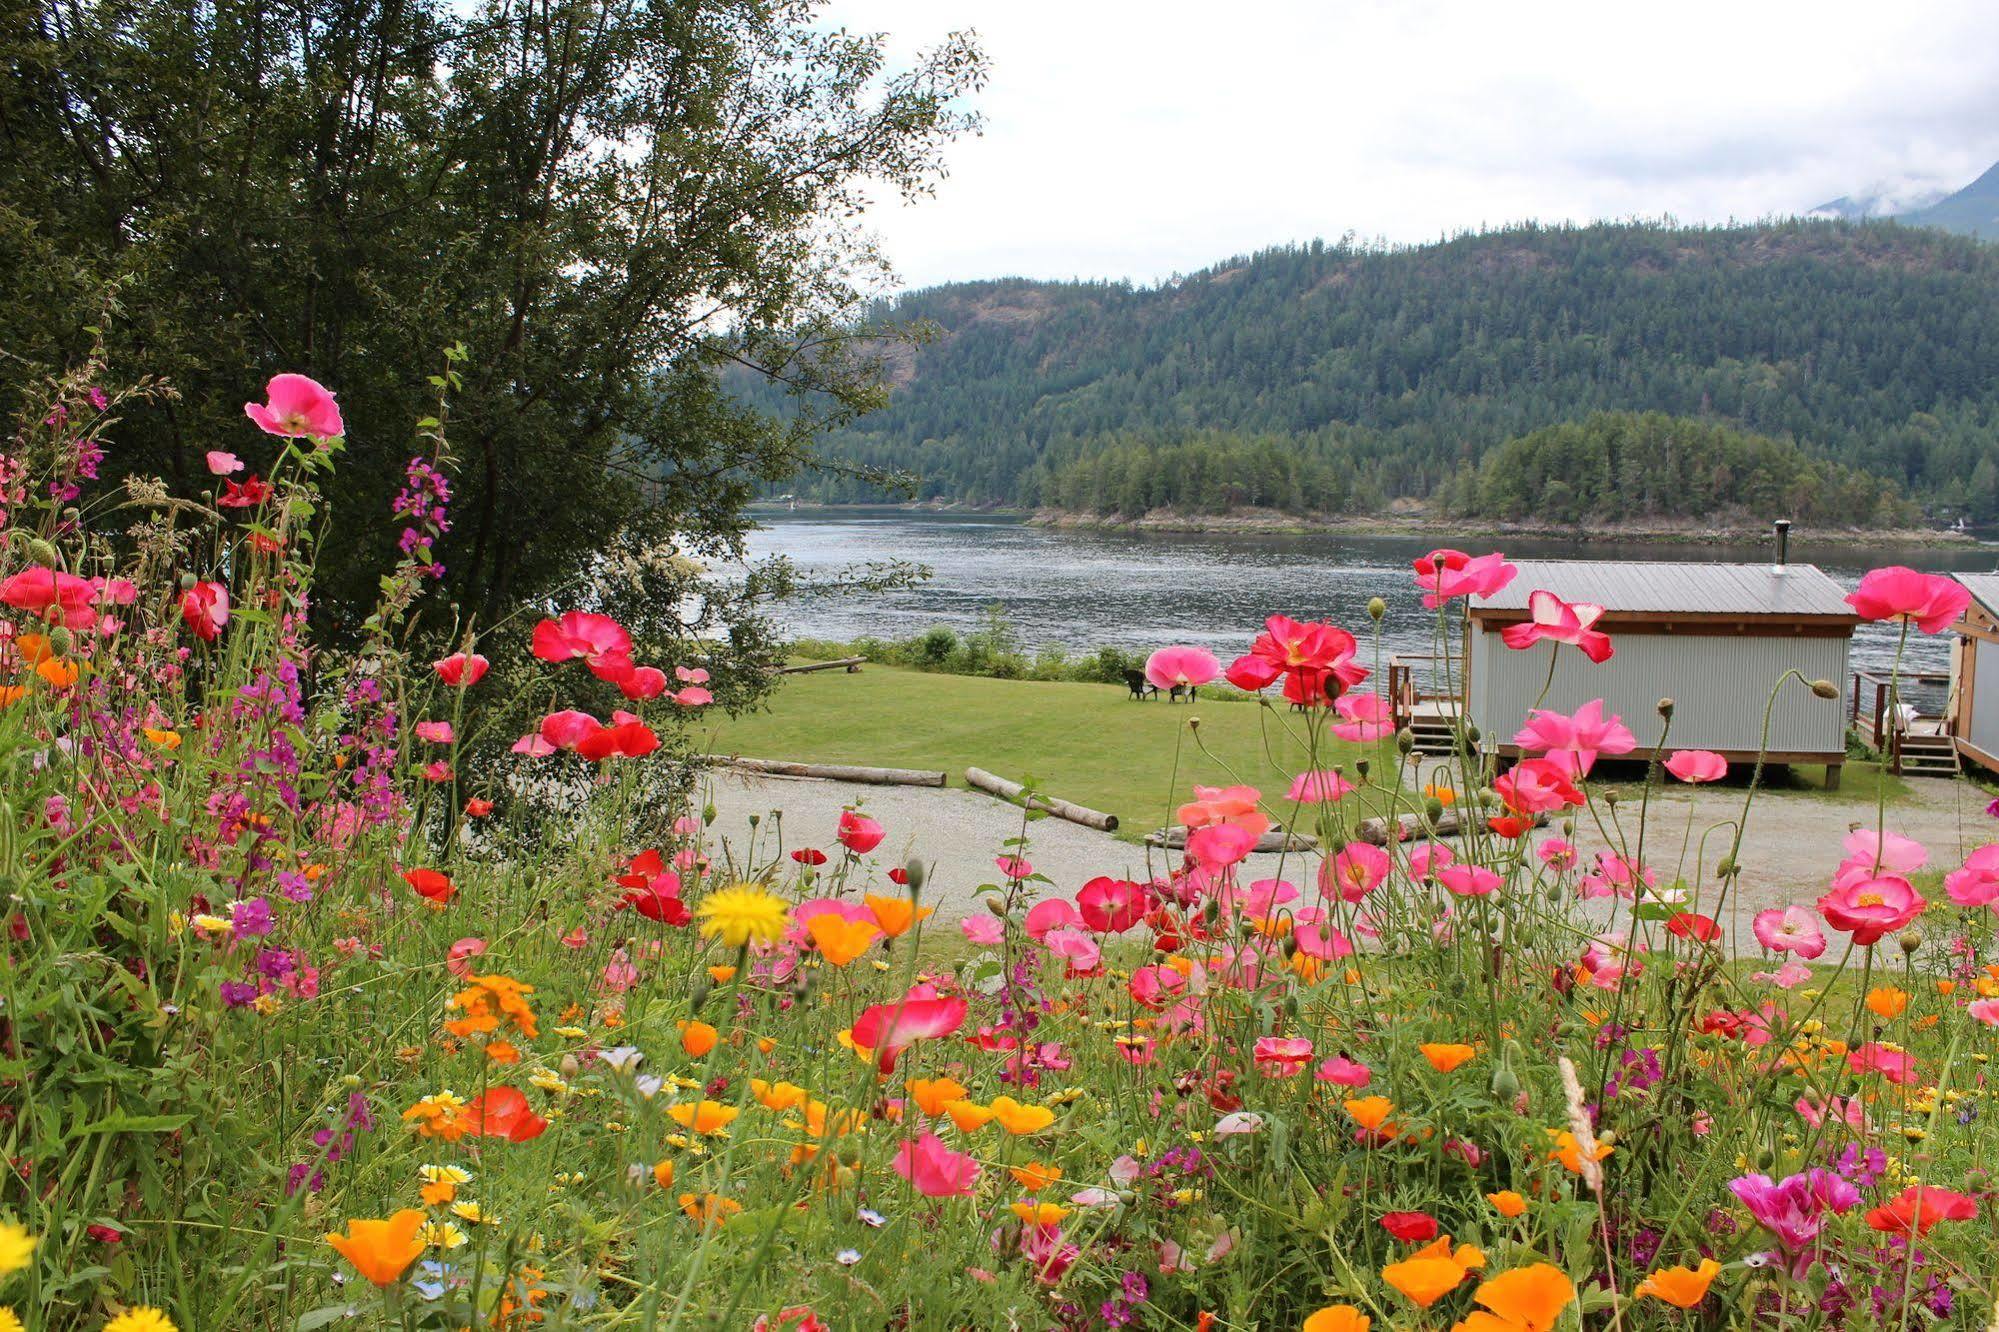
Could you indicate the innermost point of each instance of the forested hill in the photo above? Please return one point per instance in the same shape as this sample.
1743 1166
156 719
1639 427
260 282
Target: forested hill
1870 345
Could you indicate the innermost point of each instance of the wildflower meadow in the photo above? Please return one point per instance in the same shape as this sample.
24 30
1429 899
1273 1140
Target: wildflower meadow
393 973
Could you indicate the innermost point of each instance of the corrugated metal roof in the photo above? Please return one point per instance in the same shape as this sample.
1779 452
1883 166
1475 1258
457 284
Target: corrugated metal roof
1672 587
1985 587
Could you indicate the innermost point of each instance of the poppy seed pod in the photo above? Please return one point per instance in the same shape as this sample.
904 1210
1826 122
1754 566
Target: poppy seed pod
1825 689
1361 766
61 640
1405 739
1666 708
1610 797
1911 940
1193 723
41 552
755 819
1376 608
187 582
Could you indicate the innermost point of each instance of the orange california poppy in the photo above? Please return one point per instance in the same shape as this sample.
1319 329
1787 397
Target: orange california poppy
1034 1176
1042 1214
840 940
896 914
969 1116
1370 1112
1887 1002
708 1209
703 1117
779 1096
1019 1119
1570 1152
381 1250
1681 1286
1337 1318
932 1095
697 1038
1526 1299
1507 1203
1445 1057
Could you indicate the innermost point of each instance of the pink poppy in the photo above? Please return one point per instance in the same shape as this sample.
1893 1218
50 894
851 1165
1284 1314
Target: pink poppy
1616 877
532 745
568 728
1871 908
458 961
1897 1066
1845 1110
1366 718
1557 854
223 464
1077 948
1314 660
296 406
1282 1056
435 732
985 931
461 670
53 596
1697 765
599 640
1977 883
1013 867
693 675
1344 1072
1318 788
692 697
1985 1010
1468 880
889 1029
643 683
1890 852
1315 938
1181 667
858 833
1576 740
1220 845
1787 977
1112 906
1051 913
1537 786
1562 622
934 1170
1790 929
1428 858
1933 601
205 607
1355 872
1444 574
1225 804
1264 897
1154 986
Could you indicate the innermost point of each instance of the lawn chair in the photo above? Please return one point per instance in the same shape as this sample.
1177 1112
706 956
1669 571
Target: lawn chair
1140 686
1191 691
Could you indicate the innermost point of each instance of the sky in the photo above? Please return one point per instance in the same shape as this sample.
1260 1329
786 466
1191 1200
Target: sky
1128 140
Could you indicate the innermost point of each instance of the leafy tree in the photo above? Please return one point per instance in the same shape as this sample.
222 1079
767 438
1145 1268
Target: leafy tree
605 201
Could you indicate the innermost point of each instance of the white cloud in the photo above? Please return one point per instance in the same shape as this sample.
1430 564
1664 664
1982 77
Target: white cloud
1129 140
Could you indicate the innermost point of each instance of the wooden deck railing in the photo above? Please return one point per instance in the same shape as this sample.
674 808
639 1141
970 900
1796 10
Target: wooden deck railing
1415 679
1875 695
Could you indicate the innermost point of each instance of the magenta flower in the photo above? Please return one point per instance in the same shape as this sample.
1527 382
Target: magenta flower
1219 845
1870 908
1282 1056
223 464
1560 621
857 832
1365 718
294 406
1181 667
889 1029
1427 859
934 1170
1890 852
1077 948
1932 601
1051 913
1790 929
1344 1072
985 931
1468 880
1537 786
1577 739
1794 1209
1355 872
1697 765
1977 883
1321 787
1444 574
1112 906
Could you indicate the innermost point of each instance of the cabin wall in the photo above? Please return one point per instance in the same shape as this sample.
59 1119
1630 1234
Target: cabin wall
1984 731
1719 684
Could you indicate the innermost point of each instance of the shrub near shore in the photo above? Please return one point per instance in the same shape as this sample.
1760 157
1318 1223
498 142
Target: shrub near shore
285 1046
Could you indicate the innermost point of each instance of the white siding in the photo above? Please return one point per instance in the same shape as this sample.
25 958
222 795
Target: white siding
1985 698
1720 686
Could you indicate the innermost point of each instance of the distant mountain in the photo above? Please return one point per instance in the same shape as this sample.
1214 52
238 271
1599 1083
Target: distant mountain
1972 211
1334 377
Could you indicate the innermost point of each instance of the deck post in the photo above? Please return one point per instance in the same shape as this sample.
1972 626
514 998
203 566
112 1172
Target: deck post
1832 771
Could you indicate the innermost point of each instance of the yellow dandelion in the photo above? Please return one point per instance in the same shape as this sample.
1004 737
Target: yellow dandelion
739 915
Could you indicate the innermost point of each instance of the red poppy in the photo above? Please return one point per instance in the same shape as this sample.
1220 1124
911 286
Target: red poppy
653 890
475 808
628 738
1689 925
898 876
1920 1207
461 669
433 885
806 855
205 607
1112 906
1410 1227
503 1112
644 682
1314 659
1510 826
599 640
246 494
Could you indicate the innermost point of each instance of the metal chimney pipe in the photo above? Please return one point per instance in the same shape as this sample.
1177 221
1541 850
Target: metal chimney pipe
1783 526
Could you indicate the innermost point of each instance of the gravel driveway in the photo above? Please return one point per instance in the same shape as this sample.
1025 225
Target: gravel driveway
1793 844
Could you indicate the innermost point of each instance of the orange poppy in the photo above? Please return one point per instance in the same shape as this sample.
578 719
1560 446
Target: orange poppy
703 1117
1887 1002
932 1095
1526 1299
1445 1057
1370 1112
1019 1119
895 915
779 1096
1683 1287
1337 1318
381 1251
1034 1176
840 940
969 1116
696 1038
1507 1203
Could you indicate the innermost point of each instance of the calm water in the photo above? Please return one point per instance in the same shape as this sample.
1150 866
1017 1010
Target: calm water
1083 590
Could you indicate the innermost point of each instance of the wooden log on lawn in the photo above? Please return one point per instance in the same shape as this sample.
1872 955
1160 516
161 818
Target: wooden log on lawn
1061 809
835 772
851 664
1376 830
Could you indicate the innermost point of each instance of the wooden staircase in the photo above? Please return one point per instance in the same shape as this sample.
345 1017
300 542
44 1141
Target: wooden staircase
1432 734
1925 756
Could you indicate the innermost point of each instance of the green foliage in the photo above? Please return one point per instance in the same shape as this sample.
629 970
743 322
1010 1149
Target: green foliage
1616 466
1337 376
604 204
992 652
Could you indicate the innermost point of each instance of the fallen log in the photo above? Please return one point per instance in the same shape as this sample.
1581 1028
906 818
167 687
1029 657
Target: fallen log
1413 827
834 772
1061 809
852 665
1175 839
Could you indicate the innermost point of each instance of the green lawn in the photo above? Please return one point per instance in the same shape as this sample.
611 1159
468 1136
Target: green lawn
1083 742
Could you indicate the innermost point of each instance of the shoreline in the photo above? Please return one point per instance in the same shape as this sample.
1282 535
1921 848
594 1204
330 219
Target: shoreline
1264 522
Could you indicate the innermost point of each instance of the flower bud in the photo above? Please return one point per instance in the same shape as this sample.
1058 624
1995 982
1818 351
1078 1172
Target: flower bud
1433 809
915 873
41 552
1666 708
1376 608
708 815
1825 689
1505 1083
570 1066
997 907
701 991
1911 940
1405 740
187 582
61 640
1472 734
